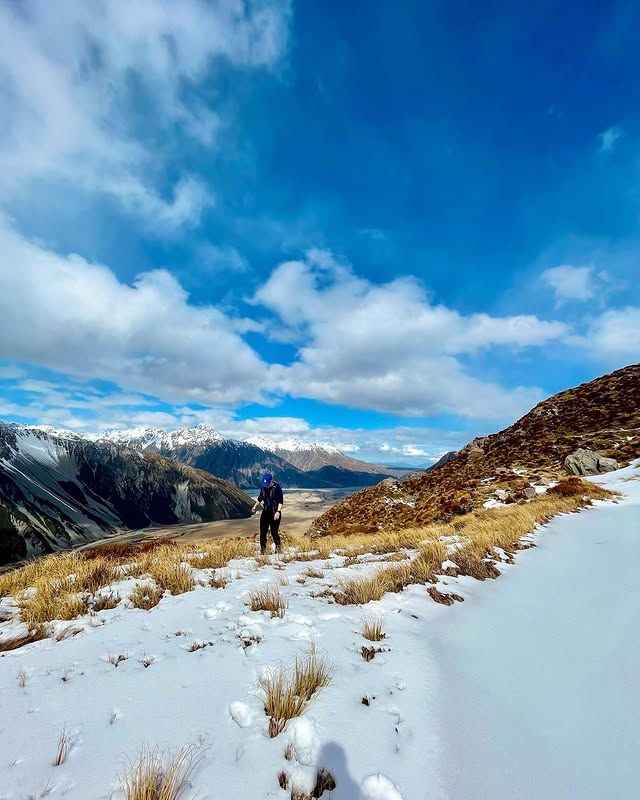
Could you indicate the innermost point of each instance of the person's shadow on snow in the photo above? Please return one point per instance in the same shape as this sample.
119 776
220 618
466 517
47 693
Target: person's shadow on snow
333 759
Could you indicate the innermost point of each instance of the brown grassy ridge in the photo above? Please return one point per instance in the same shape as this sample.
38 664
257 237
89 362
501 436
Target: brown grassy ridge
475 535
63 587
603 415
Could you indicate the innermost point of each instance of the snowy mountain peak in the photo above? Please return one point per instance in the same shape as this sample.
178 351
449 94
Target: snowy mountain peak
291 445
142 438
60 433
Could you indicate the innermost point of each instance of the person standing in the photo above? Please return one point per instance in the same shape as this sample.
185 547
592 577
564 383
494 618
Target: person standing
272 501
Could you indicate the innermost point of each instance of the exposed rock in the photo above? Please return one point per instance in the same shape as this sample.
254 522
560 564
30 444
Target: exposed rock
529 492
588 462
502 495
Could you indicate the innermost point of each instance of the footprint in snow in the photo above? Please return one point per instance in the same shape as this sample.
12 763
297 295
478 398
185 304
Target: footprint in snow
241 714
379 787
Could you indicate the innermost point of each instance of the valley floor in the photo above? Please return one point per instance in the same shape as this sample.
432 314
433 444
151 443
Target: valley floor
526 690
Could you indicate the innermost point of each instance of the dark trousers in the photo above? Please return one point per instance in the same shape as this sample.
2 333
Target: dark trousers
267 521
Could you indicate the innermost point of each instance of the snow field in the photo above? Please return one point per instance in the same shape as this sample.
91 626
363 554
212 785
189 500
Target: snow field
519 692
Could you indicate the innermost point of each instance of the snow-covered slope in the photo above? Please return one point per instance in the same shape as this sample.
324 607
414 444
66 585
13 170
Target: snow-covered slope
60 491
526 690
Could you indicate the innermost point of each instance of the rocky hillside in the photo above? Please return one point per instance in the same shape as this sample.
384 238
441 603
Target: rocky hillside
244 463
603 415
59 491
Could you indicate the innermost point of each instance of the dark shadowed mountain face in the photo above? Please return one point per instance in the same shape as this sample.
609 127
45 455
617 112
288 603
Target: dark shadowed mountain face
244 463
58 492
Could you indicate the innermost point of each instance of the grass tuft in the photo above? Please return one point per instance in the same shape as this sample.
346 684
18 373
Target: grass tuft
64 745
268 599
288 694
145 596
102 602
373 628
155 775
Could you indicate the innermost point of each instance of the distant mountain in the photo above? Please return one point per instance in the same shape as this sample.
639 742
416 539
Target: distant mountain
244 463
58 490
602 415
309 456
443 460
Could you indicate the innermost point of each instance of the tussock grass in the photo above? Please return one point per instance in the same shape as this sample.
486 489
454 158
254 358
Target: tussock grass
361 590
219 581
213 555
37 633
287 694
172 575
268 599
145 596
103 602
156 775
373 628
45 604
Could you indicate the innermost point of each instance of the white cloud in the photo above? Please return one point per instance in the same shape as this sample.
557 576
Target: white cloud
408 450
613 336
69 74
76 317
571 283
608 138
387 347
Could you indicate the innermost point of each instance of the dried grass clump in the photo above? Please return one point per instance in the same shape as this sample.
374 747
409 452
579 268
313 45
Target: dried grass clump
46 604
156 775
36 634
213 555
361 590
105 601
268 599
145 596
171 574
288 694
373 628
312 572
64 745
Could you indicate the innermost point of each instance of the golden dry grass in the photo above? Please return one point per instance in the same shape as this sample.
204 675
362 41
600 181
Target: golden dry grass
145 596
105 601
268 599
155 775
45 603
172 575
373 628
287 694
213 555
62 750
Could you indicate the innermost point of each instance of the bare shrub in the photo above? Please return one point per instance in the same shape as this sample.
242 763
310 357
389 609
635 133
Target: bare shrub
268 599
145 596
156 775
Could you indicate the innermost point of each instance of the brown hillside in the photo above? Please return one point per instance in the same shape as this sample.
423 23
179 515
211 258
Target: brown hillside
603 415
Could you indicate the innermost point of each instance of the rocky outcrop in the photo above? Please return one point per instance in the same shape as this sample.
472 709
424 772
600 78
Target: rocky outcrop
588 462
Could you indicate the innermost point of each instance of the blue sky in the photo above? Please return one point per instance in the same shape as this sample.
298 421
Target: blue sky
386 227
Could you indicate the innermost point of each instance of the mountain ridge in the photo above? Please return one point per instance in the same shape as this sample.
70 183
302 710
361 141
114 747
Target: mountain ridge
603 415
58 492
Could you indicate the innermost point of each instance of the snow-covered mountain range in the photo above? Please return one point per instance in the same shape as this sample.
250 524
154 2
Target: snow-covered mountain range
293 461
59 490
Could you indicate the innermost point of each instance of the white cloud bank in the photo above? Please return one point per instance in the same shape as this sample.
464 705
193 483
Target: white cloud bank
76 317
387 347
69 73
